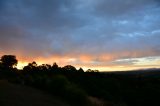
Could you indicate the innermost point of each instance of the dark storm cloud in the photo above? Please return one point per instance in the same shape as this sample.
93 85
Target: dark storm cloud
35 22
122 28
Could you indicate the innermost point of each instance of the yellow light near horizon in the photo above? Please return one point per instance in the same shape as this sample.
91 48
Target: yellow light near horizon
86 63
20 64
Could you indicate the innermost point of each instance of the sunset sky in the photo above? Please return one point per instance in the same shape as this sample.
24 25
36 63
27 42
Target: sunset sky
99 34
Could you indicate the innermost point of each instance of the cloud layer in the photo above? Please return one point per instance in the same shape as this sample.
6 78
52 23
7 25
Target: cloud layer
82 32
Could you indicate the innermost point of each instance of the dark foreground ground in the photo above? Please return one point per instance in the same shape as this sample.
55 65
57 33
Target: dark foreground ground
62 86
18 95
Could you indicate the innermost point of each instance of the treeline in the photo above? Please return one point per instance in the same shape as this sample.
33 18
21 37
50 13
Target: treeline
75 86
51 78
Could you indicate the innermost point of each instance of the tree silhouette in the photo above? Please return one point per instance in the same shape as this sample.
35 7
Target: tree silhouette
89 70
34 64
69 68
80 70
31 66
9 61
55 66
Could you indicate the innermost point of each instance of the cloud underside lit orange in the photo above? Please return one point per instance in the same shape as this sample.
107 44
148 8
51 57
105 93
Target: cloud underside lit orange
102 62
104 35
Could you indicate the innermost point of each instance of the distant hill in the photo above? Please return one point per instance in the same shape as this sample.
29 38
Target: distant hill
18 95
145 72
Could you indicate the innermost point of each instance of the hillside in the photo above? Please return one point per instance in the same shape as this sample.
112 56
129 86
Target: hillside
18 95
76 87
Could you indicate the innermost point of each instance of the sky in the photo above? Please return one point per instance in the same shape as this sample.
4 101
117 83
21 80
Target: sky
108 35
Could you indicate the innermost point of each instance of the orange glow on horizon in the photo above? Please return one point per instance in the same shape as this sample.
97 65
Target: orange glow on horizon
103 62
95 67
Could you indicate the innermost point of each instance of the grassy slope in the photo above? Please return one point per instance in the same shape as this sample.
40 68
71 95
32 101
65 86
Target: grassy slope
16 95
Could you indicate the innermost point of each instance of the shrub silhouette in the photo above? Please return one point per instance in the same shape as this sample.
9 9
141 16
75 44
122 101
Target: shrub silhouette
60 85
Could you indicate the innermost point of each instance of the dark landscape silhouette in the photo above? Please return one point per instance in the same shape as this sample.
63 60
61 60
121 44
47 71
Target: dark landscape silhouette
83 88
